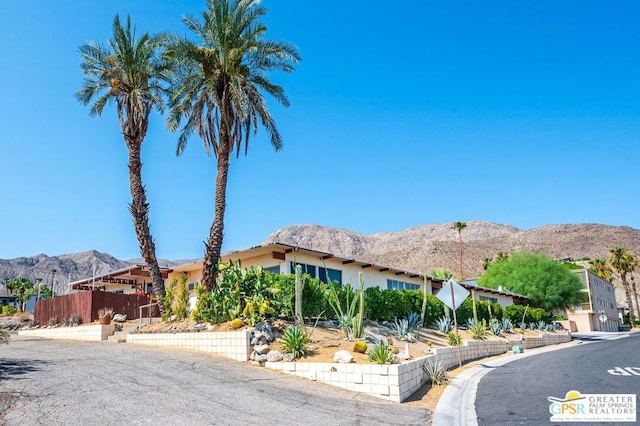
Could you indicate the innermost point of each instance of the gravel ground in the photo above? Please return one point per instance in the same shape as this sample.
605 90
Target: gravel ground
55 382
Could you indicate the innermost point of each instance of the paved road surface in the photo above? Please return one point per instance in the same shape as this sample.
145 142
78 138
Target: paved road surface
516 393
53 382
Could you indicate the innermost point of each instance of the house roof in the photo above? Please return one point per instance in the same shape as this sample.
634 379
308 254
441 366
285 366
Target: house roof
277 249
128 275
473 285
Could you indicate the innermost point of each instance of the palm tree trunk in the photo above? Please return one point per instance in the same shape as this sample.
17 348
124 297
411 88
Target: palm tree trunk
216 233
139 209
460 239
635 294
627 293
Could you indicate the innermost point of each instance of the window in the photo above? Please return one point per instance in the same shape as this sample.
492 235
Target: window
119 291
334 275
306 269
192 286
272 269
401 285
488 299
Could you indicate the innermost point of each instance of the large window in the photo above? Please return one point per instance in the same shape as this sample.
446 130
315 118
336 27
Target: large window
401 285
488 299
272 269
319 272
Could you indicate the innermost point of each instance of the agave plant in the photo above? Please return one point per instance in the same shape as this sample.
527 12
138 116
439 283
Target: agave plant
454 338
542 325
532 326
294 341
414 321
403 331
496 328
523 325
479 330
434 369
507 325
470 323
381 353
444 324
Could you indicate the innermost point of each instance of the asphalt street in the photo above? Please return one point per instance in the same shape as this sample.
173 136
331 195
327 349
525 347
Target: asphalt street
53 382
517 393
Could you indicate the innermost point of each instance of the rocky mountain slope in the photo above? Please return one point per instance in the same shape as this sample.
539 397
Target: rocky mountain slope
427 247
421 249
79 265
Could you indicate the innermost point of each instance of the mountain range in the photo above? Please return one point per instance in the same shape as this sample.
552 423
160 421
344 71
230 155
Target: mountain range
422 248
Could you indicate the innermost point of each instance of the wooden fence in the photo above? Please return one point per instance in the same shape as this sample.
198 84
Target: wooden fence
87 303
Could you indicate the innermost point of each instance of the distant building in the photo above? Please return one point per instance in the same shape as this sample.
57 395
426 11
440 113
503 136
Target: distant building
600 312
7 298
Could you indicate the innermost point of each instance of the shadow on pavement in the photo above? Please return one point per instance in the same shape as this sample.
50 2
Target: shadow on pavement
14 369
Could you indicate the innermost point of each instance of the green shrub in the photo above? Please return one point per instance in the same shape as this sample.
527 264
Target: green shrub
381 354
167 301
386 305
201 303
485 310
9 310
360 347
181 302
294 341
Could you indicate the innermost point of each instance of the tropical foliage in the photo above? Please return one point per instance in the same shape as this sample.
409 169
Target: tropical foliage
217 89
544 281
127 72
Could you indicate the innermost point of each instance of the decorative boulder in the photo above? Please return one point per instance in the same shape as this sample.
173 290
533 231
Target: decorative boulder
120 317
343 357
288 358
402 356
261 358
274 356
261 349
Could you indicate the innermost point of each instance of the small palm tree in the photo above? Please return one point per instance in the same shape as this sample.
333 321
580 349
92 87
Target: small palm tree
217 92
128 72
459 226
622 261
601 268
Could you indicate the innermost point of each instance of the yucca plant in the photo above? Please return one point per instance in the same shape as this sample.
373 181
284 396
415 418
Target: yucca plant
444 324
294 341
454 338
381 353
434 369
478 330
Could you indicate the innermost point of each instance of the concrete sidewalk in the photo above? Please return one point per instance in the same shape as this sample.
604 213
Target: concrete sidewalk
456 406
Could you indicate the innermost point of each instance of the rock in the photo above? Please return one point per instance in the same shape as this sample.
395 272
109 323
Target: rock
343 357
120 317
259 326
252 357
261 349
274 356
287 358
374 338
268 333
173 318
327 324
402 356
200 326
261 358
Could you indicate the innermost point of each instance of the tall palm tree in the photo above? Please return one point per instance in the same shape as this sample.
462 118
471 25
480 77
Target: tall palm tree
128 72
459 226
602 269
632 263
217 91
53 280
620 262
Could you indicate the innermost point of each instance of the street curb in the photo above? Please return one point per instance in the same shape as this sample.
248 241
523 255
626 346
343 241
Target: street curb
456 406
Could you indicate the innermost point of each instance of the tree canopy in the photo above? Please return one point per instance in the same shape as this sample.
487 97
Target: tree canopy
546 283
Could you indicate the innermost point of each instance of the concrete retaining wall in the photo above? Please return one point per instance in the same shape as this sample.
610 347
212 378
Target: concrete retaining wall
84 332
232 344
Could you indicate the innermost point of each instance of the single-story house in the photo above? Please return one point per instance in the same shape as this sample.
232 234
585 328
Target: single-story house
282 258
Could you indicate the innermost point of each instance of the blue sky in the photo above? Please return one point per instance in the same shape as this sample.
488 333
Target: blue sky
525 113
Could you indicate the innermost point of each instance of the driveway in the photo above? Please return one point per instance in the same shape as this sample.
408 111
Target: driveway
54 382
